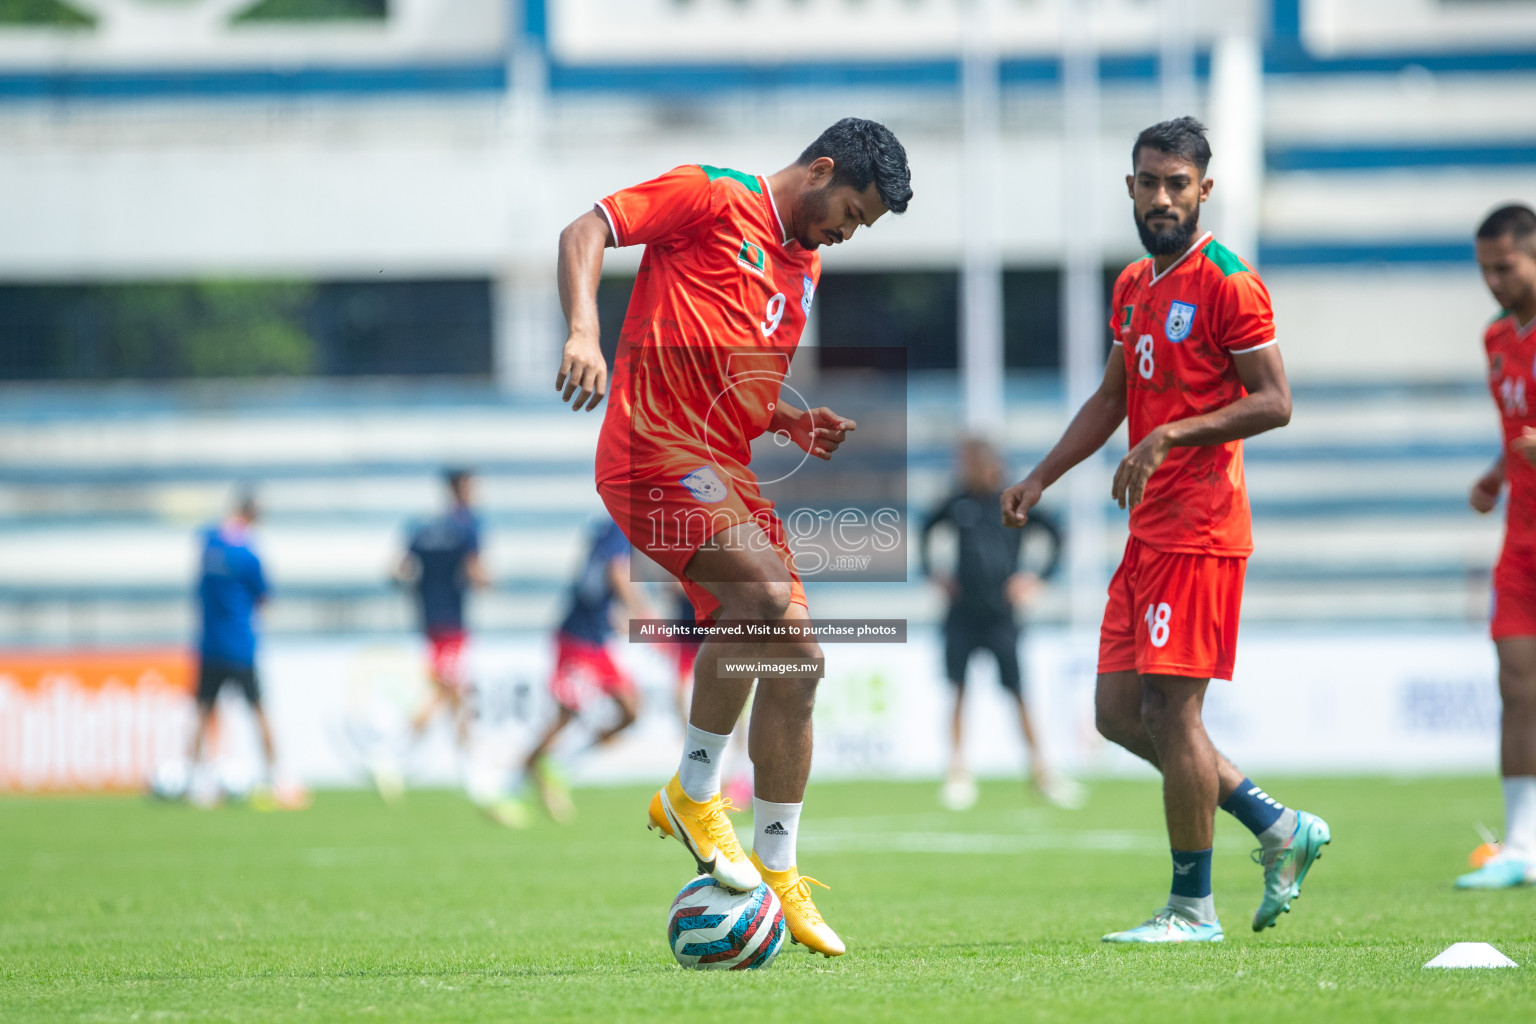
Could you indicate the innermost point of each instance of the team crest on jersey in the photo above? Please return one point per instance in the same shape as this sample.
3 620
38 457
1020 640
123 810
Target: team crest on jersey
751 256
1181 317
807 289
705 485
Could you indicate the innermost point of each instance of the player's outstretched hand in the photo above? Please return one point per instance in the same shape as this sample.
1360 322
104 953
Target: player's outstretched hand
1525 444
1019 499
1137 468
945 582
820 431
583 373
1022 588
1485 493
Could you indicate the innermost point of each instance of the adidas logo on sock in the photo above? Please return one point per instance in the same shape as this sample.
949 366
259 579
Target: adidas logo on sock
699 755
776 829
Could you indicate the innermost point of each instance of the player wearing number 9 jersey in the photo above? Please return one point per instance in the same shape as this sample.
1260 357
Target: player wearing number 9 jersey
1195 369
723 293
716 314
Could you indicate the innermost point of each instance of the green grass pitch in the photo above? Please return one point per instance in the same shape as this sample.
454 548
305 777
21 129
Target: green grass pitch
120 910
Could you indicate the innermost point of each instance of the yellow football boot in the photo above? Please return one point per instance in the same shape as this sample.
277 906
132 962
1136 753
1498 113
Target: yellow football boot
707 833
805 924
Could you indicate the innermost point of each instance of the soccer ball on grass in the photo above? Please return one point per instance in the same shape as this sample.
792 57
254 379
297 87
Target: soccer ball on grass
713 928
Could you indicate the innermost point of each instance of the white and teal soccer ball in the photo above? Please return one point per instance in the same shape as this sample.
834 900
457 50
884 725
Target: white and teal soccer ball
169 781
712 928
236 781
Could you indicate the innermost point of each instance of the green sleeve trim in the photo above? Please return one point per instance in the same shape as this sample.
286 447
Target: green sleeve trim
1225 259
748 180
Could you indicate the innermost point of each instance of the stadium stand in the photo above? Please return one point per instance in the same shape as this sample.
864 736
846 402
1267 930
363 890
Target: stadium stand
1360 503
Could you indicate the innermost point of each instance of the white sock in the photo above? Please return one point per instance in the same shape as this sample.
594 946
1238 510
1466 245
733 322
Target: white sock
1278 834
1199 909
699 769
1520 816
775 827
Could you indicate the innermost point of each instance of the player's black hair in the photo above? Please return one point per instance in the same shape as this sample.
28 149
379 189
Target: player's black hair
1516 220
863 151
456 475
1181 137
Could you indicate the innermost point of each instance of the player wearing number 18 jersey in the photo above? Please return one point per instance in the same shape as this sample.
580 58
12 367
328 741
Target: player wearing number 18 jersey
1195 369
1178 330
723 293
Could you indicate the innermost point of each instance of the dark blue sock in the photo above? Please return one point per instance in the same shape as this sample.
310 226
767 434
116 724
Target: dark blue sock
1192 873
1253 807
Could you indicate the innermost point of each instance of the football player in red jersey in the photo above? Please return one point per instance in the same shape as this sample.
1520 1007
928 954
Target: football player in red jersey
722 296
1196 369
1506 253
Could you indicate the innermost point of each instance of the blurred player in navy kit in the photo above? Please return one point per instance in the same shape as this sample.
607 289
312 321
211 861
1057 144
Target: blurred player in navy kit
441 563
231 586
583 662
986 590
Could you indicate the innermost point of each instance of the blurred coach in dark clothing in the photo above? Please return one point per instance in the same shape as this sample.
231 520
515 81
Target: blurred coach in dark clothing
986 591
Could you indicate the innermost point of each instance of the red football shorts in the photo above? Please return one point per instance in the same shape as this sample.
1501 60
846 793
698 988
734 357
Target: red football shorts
1172 614
445 655
581 665
674 511
1514 595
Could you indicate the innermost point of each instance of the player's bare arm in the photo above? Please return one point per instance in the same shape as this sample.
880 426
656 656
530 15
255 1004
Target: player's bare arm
630 597
1485 493
1266 406
1094 424
583 373
819 431
475 572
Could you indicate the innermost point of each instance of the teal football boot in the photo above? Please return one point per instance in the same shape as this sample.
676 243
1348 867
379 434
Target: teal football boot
1502 872
1168 926
1286 868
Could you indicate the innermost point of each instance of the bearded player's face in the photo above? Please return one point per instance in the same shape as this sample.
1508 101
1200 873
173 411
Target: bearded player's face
1166 191
829 214
1509 270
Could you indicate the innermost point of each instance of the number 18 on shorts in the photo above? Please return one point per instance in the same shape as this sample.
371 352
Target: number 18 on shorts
1172 614
1158 618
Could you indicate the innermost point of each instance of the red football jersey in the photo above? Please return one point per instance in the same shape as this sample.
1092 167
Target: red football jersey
1178 331
715 316
1512 382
